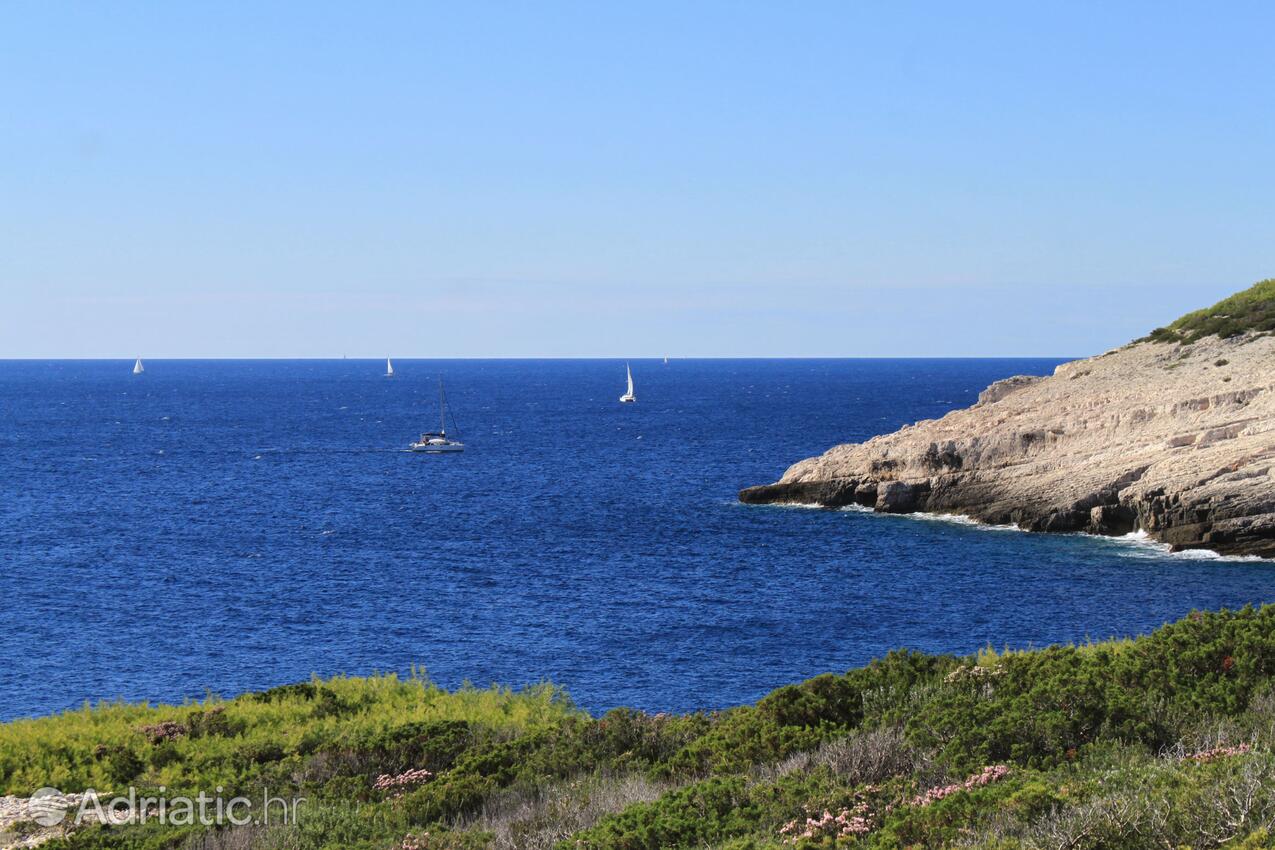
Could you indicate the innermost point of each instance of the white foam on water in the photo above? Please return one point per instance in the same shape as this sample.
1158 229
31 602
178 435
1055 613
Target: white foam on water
960 519
1137 543
1140 541
805 506
952 519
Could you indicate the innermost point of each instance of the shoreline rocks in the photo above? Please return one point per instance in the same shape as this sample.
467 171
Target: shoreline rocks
1177 440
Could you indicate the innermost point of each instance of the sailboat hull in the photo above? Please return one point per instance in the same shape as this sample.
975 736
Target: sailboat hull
627 399
436 449
436 443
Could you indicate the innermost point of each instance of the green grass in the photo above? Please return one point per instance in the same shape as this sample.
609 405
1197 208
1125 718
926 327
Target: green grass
232 742
1250 311
1097 740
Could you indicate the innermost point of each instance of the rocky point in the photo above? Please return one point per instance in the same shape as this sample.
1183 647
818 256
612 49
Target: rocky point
1173 435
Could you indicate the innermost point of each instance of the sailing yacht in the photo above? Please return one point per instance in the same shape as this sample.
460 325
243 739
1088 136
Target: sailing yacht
137 367
389 368
438 443
628 395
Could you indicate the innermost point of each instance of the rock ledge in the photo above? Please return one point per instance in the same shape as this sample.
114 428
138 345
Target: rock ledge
1177 440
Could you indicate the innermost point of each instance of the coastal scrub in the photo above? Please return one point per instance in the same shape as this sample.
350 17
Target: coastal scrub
1161 740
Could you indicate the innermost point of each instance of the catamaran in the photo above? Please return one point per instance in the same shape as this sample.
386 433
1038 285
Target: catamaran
437 442
628 394
137 367
389 368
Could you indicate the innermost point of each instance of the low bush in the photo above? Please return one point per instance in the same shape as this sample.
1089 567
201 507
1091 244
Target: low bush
1250 311
1164 740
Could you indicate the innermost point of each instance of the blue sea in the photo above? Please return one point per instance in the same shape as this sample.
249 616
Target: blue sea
222 526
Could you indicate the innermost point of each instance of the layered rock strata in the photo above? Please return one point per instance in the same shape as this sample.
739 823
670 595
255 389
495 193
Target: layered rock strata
1174 439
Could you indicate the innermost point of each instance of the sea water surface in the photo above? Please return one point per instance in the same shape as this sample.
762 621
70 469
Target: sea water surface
231 525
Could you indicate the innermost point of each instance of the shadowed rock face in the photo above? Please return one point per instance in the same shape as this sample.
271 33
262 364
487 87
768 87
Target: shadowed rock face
1178 440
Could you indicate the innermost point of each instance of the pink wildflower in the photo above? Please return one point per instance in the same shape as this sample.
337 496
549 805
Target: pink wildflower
988 775
398 785
845 824
1216 753
165 730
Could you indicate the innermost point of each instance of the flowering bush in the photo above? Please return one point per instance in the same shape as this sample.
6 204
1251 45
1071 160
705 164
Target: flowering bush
988 775
399 784
973 672
848 823
1215 753
412 841
165 730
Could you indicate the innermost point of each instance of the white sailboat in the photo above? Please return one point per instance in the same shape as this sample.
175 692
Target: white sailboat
437 442
389 368
628 394
665 359
137 367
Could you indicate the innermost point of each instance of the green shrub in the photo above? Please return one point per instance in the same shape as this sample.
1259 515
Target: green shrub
1122 744
1250 311
707 811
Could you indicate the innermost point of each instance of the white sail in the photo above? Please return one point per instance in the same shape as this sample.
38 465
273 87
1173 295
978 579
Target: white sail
137 367
628 393
389 368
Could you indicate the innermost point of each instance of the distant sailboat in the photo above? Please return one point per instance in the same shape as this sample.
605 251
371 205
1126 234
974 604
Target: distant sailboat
438 442
137 367
389 368
628 395
665 359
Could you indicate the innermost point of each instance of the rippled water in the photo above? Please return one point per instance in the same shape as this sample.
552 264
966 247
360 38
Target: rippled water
234 525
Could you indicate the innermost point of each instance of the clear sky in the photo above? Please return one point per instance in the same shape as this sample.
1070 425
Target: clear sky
627 179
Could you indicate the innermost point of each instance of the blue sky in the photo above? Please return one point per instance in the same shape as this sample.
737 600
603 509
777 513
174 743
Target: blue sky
627 179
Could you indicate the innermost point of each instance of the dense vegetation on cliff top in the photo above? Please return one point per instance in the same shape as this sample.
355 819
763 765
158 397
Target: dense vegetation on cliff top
1161 741
1252 310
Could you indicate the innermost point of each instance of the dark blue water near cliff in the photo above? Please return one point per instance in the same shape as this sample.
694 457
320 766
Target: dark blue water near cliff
235 525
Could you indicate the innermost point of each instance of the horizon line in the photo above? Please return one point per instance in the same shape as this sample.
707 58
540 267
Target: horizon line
410 358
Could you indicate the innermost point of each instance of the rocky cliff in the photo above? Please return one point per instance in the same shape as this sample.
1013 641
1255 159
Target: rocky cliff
1174 434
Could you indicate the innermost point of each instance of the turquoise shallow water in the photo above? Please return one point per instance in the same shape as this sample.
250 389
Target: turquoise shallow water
234 525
